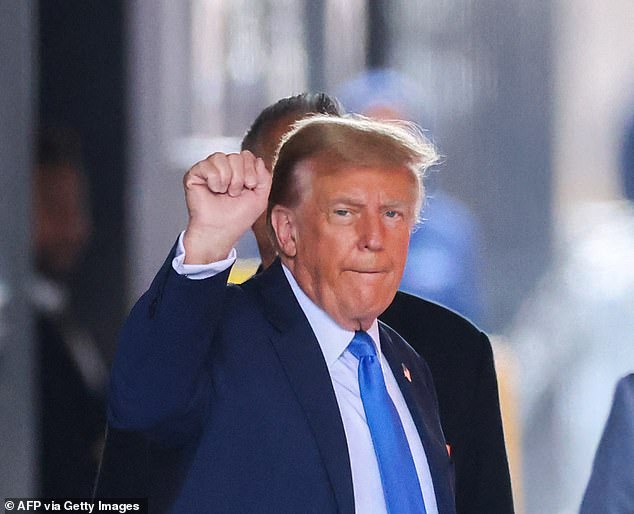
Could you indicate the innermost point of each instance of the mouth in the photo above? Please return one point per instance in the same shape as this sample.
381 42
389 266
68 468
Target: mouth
368 271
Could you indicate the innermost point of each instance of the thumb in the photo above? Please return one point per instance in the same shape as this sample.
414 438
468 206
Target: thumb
263 177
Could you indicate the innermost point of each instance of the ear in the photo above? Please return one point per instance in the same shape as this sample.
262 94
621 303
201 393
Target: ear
283 223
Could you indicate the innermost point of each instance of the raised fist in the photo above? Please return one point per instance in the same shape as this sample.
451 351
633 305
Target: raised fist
225 194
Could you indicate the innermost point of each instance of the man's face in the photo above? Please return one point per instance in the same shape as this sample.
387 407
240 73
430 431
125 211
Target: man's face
350 234
62 223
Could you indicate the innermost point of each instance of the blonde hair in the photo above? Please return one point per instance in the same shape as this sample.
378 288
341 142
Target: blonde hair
344 141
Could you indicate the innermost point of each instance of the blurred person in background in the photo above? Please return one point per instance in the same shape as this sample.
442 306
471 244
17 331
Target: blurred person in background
574 337
443 260
611 486
72 374
459 356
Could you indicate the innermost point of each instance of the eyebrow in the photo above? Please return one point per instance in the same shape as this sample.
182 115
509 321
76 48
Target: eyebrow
348 200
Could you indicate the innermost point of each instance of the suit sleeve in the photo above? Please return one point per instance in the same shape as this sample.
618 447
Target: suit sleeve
493 485
160 383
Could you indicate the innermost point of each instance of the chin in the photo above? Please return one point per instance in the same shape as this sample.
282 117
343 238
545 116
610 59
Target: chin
373 299
366 313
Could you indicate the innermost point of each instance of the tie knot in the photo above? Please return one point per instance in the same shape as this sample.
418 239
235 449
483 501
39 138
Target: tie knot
362 345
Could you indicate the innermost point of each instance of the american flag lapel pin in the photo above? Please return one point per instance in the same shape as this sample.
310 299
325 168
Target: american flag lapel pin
406 372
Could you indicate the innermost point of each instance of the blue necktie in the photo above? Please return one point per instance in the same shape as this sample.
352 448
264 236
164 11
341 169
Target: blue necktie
401 488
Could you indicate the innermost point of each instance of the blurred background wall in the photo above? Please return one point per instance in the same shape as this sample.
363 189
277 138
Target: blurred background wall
18 73
526 101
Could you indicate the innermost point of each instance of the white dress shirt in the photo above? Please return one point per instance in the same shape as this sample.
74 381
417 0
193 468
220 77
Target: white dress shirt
343 368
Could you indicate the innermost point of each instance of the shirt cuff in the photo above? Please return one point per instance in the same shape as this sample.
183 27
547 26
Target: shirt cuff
199 271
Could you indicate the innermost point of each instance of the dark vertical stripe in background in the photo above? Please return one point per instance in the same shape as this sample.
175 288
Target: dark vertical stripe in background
82 86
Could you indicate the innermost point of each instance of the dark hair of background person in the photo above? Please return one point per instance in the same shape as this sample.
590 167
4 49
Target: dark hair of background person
304 103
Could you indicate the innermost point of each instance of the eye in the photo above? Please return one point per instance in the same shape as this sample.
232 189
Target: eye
392 214
342 212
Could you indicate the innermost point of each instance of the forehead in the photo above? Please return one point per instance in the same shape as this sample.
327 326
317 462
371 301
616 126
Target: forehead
328 177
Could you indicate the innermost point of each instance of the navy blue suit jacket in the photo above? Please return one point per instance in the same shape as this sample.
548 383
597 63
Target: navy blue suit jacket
235 375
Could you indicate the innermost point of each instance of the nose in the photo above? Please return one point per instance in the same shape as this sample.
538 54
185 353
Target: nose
371 232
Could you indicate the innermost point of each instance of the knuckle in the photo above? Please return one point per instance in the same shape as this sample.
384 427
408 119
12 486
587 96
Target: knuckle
216 156
235 158
188 178
215 161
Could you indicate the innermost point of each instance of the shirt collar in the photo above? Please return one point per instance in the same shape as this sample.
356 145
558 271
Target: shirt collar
332 338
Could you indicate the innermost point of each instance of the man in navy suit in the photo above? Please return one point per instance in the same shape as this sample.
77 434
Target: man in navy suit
459 355
262 382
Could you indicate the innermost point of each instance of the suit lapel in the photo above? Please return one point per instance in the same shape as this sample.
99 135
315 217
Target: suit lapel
305 367
424 413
